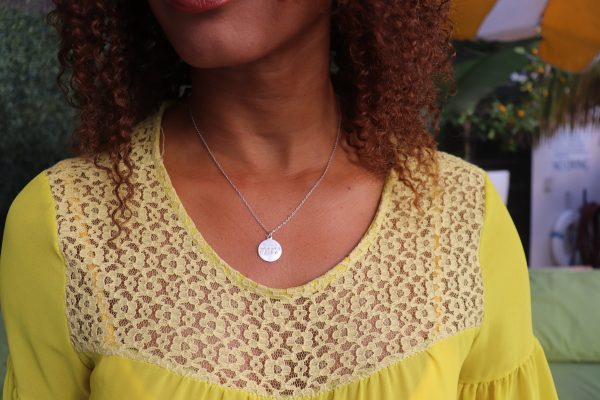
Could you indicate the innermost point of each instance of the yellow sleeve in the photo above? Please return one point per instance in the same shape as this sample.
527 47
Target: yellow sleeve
42 363
506 361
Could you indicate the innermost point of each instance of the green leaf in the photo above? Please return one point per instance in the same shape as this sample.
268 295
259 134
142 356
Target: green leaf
481 73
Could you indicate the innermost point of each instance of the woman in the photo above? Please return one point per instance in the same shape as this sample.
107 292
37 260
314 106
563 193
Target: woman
286 229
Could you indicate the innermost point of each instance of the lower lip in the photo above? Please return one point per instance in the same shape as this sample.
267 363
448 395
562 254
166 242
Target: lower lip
196 6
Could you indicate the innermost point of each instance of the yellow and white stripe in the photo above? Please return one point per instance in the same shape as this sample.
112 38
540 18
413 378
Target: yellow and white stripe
570 29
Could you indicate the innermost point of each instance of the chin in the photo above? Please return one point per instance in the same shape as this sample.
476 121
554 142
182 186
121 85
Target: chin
219 51
238 32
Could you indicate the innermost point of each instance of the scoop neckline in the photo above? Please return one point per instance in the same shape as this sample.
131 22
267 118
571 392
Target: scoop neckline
314 285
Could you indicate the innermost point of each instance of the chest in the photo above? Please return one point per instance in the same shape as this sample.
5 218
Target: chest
327 227
163 295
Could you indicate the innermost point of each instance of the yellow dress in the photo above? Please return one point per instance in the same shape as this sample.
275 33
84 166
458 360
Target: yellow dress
428 305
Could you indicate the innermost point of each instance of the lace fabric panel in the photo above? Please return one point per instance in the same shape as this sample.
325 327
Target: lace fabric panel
156 297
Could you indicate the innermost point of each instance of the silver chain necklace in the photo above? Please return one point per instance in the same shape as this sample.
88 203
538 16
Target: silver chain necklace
269 250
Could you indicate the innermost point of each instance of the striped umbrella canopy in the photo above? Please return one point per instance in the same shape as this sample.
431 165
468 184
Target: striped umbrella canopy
569 29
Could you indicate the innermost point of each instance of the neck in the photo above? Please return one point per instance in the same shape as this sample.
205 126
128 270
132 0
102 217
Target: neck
278 113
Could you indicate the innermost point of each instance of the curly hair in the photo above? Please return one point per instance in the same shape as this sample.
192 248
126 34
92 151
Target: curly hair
388 57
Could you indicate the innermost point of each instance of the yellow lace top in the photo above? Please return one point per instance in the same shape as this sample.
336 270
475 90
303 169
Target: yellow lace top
426 306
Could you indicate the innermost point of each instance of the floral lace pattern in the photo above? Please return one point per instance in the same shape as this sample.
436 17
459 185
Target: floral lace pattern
162 295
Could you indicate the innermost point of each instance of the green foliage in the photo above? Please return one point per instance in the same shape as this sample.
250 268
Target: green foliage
507 95
499 90
35 120
479 70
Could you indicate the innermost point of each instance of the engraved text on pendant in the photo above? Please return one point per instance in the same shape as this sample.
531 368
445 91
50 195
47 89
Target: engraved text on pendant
269 250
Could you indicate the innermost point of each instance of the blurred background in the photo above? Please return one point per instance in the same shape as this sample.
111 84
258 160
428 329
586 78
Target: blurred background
527 109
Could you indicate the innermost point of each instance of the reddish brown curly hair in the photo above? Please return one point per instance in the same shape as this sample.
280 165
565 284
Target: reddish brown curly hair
117 66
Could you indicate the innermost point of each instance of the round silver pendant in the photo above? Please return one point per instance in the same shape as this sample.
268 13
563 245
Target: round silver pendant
269 250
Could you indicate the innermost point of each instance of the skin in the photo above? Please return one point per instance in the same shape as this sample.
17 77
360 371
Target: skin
263 100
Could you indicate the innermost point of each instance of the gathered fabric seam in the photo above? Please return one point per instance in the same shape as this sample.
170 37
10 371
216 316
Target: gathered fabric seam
379 370
56 239
528 358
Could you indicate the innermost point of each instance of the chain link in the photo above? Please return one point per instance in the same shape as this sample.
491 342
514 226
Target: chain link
267 231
